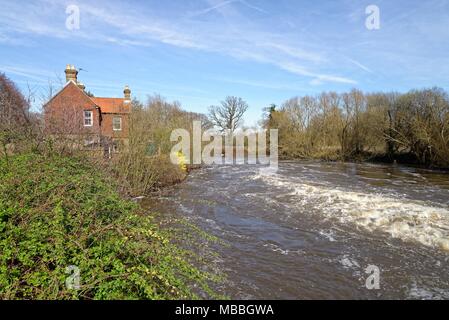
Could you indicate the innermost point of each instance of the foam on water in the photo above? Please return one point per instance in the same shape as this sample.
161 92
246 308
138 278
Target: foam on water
348 262
276 248
417 292
409 220
329 235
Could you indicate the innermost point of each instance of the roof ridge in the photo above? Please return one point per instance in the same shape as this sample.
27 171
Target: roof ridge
108 98
62 89
112 105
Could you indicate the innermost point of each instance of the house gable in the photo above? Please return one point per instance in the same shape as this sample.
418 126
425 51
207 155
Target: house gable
64 113
71 112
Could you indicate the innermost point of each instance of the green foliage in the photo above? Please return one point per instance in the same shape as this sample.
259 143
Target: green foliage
57 211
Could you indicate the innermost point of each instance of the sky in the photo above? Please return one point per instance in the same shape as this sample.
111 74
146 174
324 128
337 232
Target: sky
198 52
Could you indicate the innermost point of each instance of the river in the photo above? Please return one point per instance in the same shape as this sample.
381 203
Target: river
310 230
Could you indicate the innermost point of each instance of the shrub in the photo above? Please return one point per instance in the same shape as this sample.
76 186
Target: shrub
57 211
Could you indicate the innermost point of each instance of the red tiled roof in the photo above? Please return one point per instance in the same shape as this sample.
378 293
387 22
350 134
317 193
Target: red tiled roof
112 105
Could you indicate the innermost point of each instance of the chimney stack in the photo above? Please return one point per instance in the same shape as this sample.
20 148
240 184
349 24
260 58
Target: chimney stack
127 93
71 73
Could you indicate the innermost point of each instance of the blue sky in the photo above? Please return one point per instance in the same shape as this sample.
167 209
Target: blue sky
198 52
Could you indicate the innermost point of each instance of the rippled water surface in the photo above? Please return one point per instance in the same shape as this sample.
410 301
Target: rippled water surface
309 230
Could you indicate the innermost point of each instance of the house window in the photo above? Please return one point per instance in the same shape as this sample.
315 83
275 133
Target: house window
117 124
88 118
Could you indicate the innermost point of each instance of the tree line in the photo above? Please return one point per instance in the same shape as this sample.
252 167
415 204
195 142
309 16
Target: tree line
412 126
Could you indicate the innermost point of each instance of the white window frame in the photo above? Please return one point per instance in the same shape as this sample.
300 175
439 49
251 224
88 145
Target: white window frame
113 126
91 118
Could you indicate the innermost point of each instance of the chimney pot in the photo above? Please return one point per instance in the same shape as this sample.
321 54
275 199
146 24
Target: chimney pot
71 73
127 93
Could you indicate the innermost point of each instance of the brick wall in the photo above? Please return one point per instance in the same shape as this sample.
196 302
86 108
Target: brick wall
107 129
64 114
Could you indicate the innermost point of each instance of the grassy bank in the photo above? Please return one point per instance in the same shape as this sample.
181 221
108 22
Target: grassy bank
58 211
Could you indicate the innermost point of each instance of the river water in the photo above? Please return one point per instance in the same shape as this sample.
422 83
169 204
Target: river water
310 230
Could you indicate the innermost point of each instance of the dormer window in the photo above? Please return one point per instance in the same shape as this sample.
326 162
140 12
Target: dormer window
88 118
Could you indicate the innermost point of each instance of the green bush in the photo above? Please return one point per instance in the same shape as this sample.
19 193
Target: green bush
57 211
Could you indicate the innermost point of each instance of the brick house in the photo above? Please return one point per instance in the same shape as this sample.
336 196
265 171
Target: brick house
90 121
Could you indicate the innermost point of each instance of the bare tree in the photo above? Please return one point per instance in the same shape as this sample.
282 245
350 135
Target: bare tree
13 105
229 115
14 114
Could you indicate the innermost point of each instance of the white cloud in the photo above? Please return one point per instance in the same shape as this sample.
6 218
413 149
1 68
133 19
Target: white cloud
38 75
130 26
317 77
214 7
361 66
262 84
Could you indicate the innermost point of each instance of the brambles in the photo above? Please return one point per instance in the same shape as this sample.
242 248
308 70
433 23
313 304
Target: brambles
60 208
58 211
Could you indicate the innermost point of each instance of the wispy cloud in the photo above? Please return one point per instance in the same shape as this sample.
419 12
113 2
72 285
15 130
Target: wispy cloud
297 53
361 66
115 23
38 75
249 5
317 77
262 84
214 7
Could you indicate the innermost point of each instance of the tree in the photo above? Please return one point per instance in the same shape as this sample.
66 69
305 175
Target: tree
14 114
13 105
229 115
355 125
268 113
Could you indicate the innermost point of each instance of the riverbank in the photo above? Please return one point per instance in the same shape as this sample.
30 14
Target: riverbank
59 214
406 159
